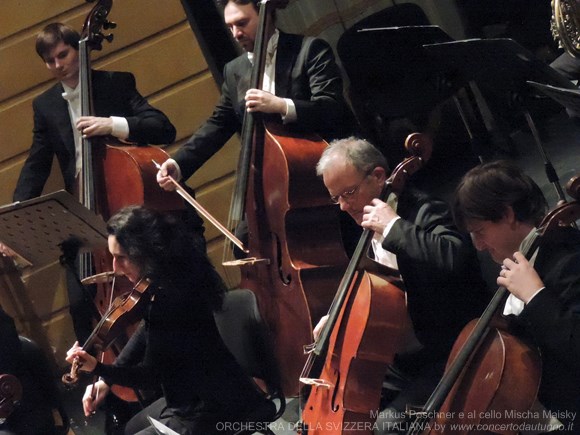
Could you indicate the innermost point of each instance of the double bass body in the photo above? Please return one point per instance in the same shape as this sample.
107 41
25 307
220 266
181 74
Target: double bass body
293 225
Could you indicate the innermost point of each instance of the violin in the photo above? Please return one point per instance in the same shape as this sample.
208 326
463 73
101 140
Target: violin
125 310
492 376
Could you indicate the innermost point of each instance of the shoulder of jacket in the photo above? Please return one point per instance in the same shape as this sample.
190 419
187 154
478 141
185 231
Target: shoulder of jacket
55 90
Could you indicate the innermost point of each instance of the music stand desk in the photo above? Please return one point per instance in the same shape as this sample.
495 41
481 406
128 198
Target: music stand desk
35 228
500 62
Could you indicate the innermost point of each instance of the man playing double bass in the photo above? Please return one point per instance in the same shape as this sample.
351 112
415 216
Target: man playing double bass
120 111
501 206
302 89
415 235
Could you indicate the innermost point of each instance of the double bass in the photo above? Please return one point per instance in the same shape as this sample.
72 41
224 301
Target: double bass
113 175
294 252
492 376
365 329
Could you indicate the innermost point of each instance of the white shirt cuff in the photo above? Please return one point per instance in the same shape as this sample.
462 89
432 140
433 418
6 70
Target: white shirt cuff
291 115
120 127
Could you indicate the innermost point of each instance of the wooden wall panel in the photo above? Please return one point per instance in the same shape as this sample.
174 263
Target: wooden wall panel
16 128
154 41
21 14
159 62
188 104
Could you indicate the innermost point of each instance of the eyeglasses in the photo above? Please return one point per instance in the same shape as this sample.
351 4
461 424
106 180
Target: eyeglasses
347 194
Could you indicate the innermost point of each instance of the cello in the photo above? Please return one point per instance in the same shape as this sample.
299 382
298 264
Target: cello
112 176
292 269
492 377
364 330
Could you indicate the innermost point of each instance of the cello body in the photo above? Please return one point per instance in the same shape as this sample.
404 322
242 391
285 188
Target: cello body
492 377
294 226
372 321
484 396
367 325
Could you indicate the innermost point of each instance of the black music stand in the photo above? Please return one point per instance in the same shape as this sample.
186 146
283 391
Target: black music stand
506 67
390 65
395 83
569 98
35 229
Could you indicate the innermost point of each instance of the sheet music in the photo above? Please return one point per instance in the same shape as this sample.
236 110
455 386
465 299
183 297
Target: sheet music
569 98
160 428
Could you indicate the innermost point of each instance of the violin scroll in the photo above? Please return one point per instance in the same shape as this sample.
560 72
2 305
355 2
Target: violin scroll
72 377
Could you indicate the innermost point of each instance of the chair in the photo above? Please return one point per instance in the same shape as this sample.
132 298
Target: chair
247 337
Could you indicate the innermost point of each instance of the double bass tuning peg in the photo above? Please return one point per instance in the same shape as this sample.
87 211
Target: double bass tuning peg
109 25
109 37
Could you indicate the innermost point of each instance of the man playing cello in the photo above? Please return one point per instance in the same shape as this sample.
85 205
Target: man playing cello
415 235
500 206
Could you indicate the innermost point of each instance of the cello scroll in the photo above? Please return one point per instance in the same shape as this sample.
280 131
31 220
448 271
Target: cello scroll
10 395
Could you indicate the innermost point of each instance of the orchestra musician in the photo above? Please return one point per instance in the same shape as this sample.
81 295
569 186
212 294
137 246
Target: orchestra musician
121 111
501 206
302 89
415 235
177 345
33 414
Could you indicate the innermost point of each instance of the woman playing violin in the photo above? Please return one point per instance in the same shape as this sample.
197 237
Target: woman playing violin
177 345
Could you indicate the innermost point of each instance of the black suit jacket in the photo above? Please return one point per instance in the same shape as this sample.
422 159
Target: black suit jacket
114 94
440 270
552 320
306 72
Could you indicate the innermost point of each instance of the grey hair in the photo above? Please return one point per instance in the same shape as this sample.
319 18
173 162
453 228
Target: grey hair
358 152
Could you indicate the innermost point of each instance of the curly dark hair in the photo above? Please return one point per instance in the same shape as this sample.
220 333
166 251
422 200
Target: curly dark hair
486 191
166 252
